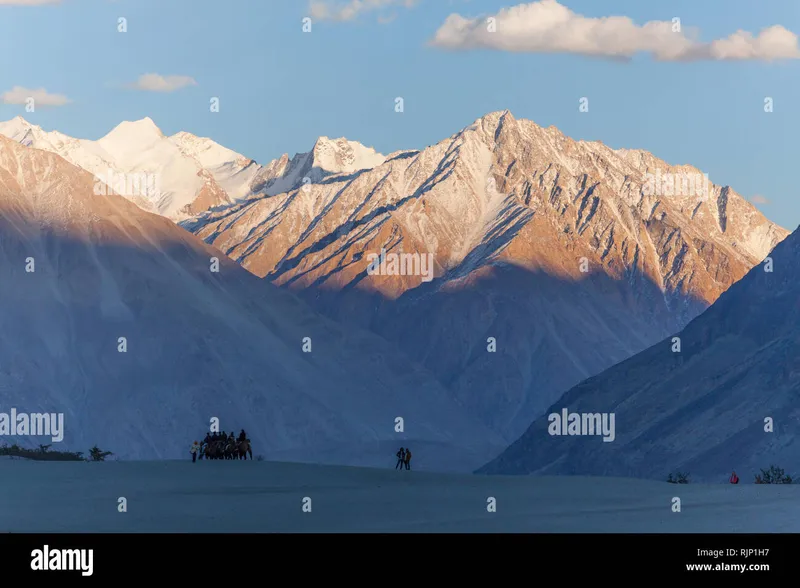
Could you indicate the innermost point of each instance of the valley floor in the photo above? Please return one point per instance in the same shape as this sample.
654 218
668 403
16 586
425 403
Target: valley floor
174 496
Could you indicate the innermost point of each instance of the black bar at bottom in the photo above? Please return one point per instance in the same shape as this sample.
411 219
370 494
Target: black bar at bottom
225 557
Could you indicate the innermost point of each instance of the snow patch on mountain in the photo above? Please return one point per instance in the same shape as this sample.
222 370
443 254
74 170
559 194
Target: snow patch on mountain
234 172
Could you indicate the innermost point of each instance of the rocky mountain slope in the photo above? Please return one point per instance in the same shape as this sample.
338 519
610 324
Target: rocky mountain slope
726 400
116 318
552 259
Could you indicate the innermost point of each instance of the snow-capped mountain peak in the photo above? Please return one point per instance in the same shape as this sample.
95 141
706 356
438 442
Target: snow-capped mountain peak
343 156
131 136
496 117
327 157
181 181
18 123
21 131
195 173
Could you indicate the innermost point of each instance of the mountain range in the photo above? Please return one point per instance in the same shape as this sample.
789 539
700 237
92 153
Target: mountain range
190 174
550 248
139 334
552 260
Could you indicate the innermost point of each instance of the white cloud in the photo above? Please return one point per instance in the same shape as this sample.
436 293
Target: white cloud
345 11
759 199
549 27
774 42
157 83
41 97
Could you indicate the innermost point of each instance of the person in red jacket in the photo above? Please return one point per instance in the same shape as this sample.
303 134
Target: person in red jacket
734 478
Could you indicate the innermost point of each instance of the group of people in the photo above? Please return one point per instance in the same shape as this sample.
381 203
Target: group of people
222 446
227 446
403 459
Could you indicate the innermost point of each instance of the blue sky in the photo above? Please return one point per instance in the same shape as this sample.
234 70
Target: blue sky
281 88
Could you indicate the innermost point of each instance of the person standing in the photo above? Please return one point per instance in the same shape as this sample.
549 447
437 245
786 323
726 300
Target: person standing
204 444
408 459
401 458
195 448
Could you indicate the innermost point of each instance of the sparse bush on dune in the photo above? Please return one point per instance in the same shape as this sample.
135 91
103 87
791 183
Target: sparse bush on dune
43 453
678 478
773 475
97 454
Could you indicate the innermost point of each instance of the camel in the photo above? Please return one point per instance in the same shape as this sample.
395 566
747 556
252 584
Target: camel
245 449
226 449
209 450
214 450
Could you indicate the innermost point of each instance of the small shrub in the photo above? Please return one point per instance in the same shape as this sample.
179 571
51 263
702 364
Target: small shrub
773 475
678 478
97 454
43 453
